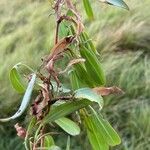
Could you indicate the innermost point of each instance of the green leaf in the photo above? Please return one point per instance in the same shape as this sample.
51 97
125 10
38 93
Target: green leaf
88 9
48 141
108 133
31 125
25 100
65 109
63 29
68 126
75 82
63 88
68 143
87 93
54 147
95 137
15 78
88 42
118 3
16 81
83 75
29 131
93 66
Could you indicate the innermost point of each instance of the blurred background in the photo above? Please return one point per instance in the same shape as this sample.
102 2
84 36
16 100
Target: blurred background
123 39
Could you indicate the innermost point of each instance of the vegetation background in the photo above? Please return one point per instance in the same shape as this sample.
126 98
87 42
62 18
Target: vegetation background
122 38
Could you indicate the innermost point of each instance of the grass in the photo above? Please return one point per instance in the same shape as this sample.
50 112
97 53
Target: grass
26 34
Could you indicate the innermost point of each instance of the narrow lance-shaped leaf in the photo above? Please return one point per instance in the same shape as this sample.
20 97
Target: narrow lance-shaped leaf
118 3
83 75
75 82
88 9
95 137
93 66
88 42
68 126
65 109
109 134
25 100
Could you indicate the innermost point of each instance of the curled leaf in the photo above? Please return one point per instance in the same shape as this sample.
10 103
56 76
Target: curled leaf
15 77
78 21
118 3
71 63
104 91
87 93
25 100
